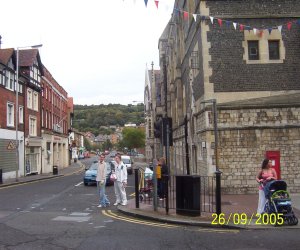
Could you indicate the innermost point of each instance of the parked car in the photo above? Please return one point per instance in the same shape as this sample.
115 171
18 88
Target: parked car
80 156
128 162
91 174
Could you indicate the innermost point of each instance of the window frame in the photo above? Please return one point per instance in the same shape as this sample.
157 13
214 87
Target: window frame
32 125
10 121
278 49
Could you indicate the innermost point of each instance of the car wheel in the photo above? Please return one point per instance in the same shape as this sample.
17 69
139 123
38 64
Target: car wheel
85 183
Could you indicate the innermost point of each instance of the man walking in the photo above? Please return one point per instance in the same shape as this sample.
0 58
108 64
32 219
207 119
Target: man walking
121 182
101 181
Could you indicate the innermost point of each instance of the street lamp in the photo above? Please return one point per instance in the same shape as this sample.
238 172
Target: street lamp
17 103
218 172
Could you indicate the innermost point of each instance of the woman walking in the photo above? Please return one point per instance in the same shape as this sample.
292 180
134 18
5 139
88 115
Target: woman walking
267 173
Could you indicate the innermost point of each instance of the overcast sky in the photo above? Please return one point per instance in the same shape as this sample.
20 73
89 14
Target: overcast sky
97 50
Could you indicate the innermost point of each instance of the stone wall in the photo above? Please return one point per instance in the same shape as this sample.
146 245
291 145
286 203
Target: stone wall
242 146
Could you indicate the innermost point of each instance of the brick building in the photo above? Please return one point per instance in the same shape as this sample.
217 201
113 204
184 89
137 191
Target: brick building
243 54
55 126
8 141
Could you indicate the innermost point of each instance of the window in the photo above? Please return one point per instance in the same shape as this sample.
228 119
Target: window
21 117
194 60
35 101
253 50
42 117
32 126
274 50
10 115
29 98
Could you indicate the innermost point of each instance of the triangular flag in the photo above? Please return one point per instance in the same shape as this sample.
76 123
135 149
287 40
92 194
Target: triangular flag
195 17
146 2
254 31
298 21
203 18
220 22
176 11
228 24
185 15
241 27
156 3
234 25
212 19
280 28
289 25
261 32
270 30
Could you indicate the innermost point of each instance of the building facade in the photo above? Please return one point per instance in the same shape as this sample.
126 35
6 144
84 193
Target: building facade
55 127
241 55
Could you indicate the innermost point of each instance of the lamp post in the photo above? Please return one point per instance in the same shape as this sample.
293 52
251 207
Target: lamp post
218 172
17 104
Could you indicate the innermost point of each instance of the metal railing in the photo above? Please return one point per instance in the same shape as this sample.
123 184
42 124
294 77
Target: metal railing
202 196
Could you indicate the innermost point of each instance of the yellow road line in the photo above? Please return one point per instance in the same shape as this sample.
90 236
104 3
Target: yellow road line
109 213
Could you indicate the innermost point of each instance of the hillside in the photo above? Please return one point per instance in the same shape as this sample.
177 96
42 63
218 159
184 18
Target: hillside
92 117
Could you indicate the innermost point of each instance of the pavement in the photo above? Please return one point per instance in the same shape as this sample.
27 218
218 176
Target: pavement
233 206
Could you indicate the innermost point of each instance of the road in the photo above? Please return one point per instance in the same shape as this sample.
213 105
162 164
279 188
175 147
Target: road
62 213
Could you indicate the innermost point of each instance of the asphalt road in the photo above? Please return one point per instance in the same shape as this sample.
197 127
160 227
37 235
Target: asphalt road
62 213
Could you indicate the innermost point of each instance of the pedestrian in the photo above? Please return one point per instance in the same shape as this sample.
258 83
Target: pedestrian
101 182
121 181
266 174
161 175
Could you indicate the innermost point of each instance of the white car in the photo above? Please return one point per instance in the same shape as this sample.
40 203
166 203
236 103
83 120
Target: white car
128 162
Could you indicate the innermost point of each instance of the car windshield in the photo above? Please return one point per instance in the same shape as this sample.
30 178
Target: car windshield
126 161
94 166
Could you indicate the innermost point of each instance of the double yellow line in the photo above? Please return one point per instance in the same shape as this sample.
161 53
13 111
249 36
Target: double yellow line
109 213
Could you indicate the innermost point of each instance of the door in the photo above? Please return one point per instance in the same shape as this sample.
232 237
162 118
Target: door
274 156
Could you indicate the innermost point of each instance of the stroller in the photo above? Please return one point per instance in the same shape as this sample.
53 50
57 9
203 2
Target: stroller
146 185
278 201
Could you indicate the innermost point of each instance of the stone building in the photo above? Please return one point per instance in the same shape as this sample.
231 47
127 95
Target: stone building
244 56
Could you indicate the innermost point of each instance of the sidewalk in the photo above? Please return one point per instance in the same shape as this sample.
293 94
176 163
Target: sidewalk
72 169
232 205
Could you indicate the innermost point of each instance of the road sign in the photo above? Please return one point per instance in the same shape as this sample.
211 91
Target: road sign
11 145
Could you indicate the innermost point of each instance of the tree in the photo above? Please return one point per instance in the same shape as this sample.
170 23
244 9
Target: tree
133 138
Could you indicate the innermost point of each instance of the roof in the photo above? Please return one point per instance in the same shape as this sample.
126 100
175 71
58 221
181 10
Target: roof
27 58
277 101
5 55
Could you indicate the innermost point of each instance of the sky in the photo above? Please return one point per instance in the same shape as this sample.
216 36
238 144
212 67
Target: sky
97 50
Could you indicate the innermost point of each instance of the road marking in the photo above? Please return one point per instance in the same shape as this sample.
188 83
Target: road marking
79 214
75 218
79 184
109 213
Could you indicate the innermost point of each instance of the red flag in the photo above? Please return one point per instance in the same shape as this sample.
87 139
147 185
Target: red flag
261 32
156 3
185 15
220 22
242 27
289 25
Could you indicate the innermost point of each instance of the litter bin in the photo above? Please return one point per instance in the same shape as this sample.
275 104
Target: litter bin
1 180
188 195
55 170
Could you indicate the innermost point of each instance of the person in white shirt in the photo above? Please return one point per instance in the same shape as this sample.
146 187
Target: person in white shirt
101 181
121 181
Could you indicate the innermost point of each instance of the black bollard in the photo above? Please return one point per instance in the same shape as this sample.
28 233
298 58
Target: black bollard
136 184
218 192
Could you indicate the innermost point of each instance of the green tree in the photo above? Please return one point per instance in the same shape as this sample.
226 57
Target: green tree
133 138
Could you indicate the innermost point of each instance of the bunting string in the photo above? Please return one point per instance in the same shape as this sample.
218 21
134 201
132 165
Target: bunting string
236 25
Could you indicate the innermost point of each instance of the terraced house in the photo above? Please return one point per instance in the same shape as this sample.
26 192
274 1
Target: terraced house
244 56
31 139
